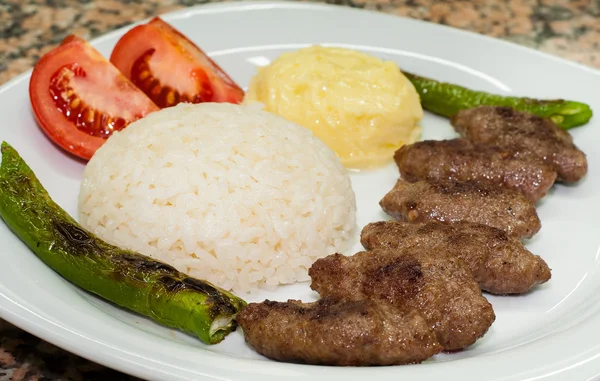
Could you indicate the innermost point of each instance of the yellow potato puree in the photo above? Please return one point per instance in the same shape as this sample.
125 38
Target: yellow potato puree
363 108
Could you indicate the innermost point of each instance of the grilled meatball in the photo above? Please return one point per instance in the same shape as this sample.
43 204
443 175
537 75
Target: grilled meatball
449 202
460 160
336 332
441 288
499 263
508 128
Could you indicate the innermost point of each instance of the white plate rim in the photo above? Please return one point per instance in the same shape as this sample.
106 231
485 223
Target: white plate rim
53 332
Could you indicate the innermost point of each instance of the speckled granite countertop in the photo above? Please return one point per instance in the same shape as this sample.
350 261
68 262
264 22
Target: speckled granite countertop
29 28
567 28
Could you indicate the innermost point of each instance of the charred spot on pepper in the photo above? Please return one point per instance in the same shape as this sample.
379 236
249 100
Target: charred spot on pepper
542 102
19 182
171 284
140 263
78 240
204 287
220 304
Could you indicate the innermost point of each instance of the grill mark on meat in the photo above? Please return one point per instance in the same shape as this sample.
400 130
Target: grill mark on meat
457 188
442 288
403 275
451 202
333 331
461 161
500 264
527 134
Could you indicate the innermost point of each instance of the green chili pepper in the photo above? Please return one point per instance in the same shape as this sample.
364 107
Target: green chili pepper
447 99
128 279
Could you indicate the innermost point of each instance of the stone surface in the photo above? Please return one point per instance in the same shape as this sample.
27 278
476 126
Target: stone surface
567 28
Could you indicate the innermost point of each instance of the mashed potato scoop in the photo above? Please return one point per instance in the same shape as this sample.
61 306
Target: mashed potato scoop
363 108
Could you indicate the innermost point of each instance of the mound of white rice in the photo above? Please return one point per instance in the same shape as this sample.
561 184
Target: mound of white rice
227 193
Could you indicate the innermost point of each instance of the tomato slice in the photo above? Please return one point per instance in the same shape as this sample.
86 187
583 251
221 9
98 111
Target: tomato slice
79 98
170 68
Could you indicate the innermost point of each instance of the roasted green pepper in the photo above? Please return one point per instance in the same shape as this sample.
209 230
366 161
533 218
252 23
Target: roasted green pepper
128 279
447 99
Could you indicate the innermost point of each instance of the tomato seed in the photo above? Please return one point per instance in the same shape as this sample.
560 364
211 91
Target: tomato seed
155 91
163 96
75 102
84 117
144 74
170 99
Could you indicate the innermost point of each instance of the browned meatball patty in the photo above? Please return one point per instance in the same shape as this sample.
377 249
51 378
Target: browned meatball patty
460 160
336 332
450 202
441 288
499 263
508 128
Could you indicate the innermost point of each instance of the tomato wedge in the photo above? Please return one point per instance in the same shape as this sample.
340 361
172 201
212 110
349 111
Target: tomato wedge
79 98
170 68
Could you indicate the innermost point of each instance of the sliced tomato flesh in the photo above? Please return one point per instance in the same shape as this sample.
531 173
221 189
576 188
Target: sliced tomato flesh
76 110
170 68
164 95
79 98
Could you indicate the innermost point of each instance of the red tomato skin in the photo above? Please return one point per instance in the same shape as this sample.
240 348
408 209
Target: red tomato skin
201 77
72 51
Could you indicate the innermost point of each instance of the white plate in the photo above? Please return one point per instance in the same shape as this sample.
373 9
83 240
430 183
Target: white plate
550 334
